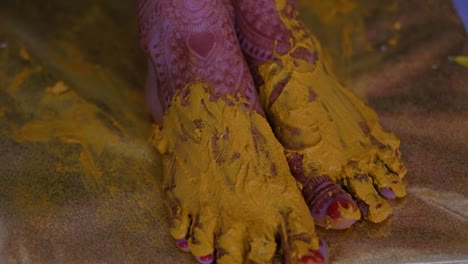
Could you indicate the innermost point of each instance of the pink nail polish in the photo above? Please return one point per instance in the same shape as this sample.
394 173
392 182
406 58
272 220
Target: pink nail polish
208 259
183 245
314 258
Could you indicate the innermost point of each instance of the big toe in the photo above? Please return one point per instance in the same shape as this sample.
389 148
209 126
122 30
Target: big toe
330 205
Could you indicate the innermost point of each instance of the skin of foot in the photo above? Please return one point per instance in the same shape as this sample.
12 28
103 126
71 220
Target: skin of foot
227 184
330 136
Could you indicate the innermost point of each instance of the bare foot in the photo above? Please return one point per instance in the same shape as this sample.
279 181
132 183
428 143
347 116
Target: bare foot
228 187
330 136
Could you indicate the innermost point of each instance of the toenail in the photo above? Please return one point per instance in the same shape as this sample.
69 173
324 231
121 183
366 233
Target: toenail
387 193
314 257
333 210
378 206
323 250
344 204
183 245
208 259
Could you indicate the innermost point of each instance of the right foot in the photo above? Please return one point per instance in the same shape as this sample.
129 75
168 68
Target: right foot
330 136
228 187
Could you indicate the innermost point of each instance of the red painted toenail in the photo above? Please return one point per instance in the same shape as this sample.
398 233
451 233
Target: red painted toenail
183 245
333 210
205 259
316 257
344 204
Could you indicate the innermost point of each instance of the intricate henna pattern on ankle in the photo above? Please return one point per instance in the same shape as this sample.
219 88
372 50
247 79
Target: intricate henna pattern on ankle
261 31
189 41
258 27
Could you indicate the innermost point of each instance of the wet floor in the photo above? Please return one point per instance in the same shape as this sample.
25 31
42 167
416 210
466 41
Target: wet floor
79 182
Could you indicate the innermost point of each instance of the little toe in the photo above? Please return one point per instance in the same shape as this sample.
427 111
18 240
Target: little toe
386 146
387 193
373 207
330 205
391 157
389 184
201 235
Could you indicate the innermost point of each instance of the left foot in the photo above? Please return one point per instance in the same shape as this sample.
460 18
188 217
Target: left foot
330 136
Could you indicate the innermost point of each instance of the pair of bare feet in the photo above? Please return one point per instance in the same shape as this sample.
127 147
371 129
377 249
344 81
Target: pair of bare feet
258 139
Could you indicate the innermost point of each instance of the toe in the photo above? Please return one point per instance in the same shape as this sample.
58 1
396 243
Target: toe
330 205
392 160
395 165
179 218
202 235
373 207
299 242
323 250
317 256
262 247
387 193
179 223
230 245
389 184
208 259
182 244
